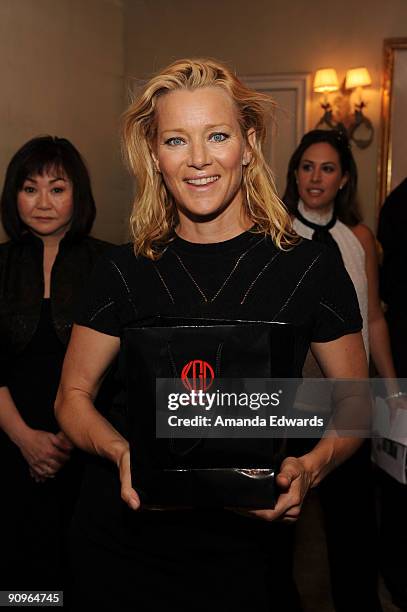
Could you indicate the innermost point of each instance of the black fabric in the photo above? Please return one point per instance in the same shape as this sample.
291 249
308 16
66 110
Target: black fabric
200 560
34 517
44 354
321 232
348 504
393 537
397 324
392 235
307 284
177 561
22 287
33 331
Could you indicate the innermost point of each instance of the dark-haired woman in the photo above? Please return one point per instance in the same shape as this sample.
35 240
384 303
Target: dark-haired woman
321 195
47 210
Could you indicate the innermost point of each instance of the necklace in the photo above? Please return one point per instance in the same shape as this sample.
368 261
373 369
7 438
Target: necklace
317 227
321 233
206 299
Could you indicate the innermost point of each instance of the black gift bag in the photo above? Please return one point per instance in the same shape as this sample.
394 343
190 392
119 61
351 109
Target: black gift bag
204 472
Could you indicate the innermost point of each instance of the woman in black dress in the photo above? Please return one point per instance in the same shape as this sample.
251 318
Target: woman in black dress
47 210
211 239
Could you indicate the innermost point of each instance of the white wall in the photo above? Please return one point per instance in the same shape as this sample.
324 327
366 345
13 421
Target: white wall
61 66
271 36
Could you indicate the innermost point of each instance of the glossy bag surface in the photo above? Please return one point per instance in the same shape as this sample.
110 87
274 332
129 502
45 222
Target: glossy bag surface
203 471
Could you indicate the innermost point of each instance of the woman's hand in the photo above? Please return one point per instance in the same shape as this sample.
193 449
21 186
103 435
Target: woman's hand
398 402
37 478
67 444
128 494
64 441
74 409
44 452
293 482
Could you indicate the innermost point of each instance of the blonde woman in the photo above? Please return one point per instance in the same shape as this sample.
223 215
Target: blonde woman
210 238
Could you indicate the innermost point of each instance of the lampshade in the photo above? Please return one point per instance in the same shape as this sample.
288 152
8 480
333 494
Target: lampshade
357 77
326 80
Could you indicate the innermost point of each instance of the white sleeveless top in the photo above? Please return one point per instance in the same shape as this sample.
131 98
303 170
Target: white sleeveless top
352 252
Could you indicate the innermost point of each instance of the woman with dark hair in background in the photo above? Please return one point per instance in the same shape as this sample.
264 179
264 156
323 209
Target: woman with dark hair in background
321 196
47 210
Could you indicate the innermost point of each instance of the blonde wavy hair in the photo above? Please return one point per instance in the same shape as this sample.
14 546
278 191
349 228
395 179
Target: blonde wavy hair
154 215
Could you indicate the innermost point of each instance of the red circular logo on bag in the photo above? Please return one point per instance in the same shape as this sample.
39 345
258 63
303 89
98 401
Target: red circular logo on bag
197 375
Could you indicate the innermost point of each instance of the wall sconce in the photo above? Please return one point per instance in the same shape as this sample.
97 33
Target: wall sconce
326 81
357 126
355 80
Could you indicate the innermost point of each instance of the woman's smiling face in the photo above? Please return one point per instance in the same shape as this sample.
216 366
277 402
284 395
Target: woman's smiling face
319 176
200 152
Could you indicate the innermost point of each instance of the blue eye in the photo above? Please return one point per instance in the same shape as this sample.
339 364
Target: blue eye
218 137
174 141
